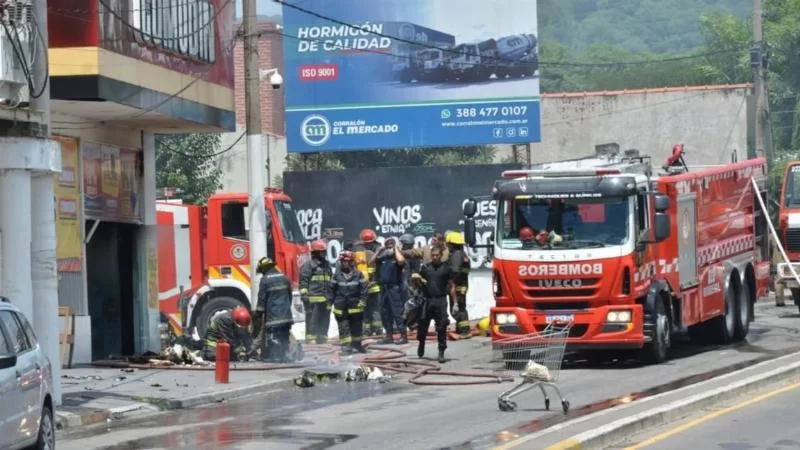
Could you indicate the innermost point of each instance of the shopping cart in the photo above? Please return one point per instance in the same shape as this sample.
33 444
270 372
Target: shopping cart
536 358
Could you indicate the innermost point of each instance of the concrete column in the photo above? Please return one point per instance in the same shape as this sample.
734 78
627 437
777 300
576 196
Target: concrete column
149 243
15 223
44 274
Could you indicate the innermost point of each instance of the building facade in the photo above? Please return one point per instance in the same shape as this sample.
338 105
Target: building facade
122 72
234 162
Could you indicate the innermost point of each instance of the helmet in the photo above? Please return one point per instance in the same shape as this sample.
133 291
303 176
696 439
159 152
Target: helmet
454 238
407 239
264 264
346 256
319 246
526 234
367 235
241 316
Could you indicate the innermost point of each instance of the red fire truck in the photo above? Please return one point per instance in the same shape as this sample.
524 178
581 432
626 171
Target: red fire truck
204 258
639 257
789 229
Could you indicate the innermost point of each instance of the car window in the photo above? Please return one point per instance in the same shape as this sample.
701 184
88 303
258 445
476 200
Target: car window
16 333
4 348
26 325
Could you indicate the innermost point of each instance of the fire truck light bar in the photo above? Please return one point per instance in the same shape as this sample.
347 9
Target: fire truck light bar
559 173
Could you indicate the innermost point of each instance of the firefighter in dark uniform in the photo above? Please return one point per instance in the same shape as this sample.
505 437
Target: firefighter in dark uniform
233 327
459 262
434 280
373 325
349 300
389 267
316 276
274 310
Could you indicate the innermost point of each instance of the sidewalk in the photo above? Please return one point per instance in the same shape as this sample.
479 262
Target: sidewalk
94 395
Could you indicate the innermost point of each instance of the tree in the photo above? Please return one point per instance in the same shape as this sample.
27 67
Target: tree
449 156
188 162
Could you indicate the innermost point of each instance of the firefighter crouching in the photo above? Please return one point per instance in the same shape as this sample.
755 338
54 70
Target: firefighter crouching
233 327
349 300
274 310
460 265
368 245
316 276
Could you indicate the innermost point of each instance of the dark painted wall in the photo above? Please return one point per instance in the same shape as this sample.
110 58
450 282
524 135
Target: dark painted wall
336 205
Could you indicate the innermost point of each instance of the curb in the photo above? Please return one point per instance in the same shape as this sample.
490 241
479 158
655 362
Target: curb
611 433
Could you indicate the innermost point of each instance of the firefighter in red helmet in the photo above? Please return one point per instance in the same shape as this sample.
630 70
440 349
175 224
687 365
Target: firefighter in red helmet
316 277
368 244
232 326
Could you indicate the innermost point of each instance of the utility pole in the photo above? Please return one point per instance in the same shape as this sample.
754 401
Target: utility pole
757 62
255 177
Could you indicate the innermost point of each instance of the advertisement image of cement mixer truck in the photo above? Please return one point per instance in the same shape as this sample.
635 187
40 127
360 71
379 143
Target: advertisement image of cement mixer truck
412 61
514 56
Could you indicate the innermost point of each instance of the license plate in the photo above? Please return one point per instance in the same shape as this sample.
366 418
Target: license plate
560 318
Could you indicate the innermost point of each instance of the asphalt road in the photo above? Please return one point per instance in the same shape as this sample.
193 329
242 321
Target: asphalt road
767 420
400 415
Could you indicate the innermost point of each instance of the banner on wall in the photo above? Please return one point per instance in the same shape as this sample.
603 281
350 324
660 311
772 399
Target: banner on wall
112 184
430 199
68 196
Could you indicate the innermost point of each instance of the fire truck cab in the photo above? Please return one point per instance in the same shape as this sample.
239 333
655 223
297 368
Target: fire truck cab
629 258
204 256
789 229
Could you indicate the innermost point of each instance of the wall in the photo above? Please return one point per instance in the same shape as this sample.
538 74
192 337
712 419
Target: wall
336 205
709 120
234 161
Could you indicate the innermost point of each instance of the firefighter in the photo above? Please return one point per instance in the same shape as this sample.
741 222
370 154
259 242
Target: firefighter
434 280
389 268
233 327
349 300
316 276
373 325
274 310
424 253
459 263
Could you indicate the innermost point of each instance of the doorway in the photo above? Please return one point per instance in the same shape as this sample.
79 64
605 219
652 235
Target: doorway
110 263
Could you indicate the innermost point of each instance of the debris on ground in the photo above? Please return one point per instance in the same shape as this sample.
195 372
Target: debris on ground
349 373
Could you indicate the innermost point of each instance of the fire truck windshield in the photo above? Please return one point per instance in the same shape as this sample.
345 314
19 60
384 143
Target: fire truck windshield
290 227
582 223
792 189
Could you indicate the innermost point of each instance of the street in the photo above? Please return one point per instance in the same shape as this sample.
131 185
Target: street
401 415
766 420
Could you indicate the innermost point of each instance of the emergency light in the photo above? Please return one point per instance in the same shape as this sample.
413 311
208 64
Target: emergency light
559 173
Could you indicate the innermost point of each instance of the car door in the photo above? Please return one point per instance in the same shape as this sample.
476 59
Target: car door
43 370
11 407
27 373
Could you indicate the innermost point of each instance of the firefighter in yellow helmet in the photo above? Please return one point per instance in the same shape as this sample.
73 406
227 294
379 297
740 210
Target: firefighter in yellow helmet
367 246
460 265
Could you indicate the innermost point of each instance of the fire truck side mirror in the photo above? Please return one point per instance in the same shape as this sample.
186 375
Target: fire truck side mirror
661 227
469 231
470 208
660 203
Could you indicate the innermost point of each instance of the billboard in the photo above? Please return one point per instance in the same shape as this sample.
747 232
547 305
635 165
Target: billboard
364 75
336 205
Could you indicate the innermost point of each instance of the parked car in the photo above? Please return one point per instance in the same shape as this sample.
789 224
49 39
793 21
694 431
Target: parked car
26 381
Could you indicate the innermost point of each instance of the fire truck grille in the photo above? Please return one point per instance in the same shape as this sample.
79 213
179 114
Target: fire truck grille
793 240
561 306
576 331
581 287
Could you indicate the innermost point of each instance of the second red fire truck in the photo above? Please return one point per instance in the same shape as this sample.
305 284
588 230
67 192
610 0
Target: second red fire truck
641 256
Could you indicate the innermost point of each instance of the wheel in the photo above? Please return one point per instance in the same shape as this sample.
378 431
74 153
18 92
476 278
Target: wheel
744 311
47 431
506 405
210 309
796 297
722 328
547 404
655 351
565 406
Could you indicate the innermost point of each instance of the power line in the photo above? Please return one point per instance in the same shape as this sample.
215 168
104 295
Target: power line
456 52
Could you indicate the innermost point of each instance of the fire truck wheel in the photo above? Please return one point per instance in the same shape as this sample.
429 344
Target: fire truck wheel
655 352
211 308
722 328
743 311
